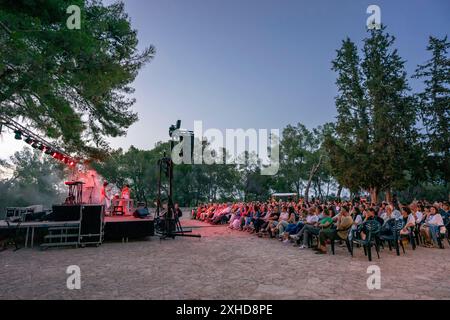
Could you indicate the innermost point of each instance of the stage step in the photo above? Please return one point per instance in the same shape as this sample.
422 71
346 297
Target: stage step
58 244
56 236
68 235
63 228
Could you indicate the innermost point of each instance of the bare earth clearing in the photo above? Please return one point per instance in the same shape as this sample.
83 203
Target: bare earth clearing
223 264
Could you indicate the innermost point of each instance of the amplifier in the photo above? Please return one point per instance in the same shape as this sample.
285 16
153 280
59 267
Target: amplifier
65 213
90 217
91 231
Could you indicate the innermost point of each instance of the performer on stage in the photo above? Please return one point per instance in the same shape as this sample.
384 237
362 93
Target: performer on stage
126 195
105 200
91 186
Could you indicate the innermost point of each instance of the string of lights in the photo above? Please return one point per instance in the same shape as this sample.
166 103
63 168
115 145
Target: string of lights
36 142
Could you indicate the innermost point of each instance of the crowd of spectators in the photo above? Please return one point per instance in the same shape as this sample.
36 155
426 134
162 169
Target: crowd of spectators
298 222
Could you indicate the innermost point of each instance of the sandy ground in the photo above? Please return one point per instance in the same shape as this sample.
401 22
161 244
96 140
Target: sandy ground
223 264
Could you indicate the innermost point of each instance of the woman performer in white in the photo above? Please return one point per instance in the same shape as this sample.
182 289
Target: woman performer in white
105 200
126 195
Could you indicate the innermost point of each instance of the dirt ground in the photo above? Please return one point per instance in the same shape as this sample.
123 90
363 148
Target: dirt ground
223 264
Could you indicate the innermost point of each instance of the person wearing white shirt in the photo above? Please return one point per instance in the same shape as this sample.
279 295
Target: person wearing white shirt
435 219
105 198
418 214
357 221
430 229
312 219
387 214
396 214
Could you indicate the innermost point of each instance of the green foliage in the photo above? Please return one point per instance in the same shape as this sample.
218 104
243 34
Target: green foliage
347 141
138 168
36 179
72 85
296 146
424 191
375 143
252 185
192 183
435 107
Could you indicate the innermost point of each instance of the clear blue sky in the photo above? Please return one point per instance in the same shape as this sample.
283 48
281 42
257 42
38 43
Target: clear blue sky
256 63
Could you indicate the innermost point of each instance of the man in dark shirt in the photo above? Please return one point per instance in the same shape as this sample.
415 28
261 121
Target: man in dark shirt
178 211
371 215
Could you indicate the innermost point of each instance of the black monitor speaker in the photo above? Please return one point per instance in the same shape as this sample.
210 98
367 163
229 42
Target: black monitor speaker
65 213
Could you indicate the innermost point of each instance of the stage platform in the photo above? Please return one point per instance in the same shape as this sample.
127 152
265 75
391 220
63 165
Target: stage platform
115 228
128 227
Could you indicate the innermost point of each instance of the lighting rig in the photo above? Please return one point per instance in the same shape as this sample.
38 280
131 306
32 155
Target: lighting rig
167 221
36 142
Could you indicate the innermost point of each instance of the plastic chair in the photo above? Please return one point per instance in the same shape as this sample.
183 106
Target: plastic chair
442 236
394 239
372 229
347 242
412 237
416 233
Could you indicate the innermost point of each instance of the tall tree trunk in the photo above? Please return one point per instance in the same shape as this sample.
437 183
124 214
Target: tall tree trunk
338 194
145 199
373 195
315 189
328 189
319 187
388 196
313 171
297 187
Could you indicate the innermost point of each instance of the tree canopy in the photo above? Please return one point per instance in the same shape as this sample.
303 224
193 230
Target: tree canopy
70 85
435 108
376 144
75 87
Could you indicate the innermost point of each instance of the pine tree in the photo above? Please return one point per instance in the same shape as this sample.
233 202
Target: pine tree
374 143
392 112
71 85
435 106
348 147
296 146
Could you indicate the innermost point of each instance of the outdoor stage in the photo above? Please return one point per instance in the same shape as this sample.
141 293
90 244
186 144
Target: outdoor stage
115 228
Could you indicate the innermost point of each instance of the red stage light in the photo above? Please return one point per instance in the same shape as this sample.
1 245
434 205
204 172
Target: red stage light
62 158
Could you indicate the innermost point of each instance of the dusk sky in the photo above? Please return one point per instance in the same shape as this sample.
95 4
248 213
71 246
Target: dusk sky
254 63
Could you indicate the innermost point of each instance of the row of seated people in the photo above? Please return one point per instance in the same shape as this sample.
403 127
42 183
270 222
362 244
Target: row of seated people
298 222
